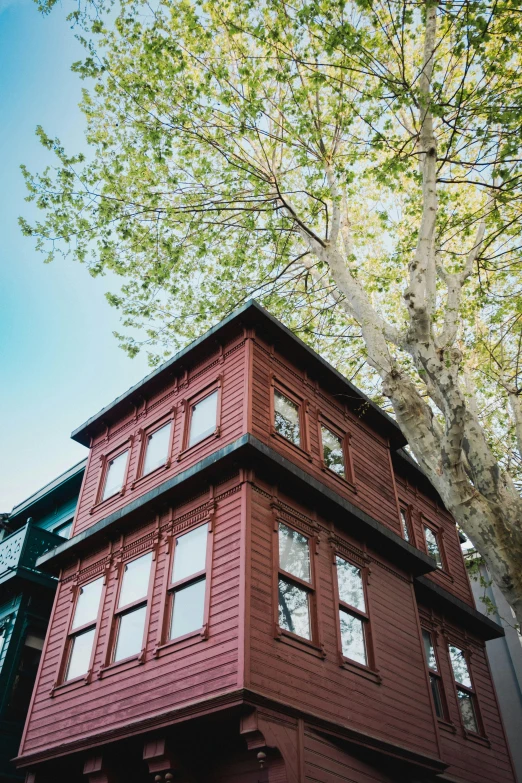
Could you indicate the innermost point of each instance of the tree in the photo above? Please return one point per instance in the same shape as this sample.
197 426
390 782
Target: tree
356 166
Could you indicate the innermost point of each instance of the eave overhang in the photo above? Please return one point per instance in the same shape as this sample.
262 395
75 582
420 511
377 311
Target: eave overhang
251 315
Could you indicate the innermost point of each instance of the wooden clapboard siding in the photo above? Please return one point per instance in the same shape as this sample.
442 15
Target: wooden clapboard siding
476 759
182 672
229 365
324 762
370 451
454 577
399 707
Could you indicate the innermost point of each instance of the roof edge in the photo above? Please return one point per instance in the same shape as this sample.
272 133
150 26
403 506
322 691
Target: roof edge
48 488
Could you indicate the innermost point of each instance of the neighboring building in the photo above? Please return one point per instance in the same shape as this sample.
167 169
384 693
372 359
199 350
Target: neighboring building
259 588
505 655
26 596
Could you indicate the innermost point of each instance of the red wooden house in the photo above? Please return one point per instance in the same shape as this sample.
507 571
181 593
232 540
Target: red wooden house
260 586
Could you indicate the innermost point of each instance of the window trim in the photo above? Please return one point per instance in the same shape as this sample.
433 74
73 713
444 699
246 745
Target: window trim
345 437
105 459
302 405
116 612
472 692
369 669
71 634
444 718
314 644
188 404
169 588
408 510
439 536
143 438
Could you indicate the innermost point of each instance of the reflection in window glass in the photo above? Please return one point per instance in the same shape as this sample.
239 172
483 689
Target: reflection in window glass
64 530
130 633
467 711
432 545
294 611
88 603
294 553
135 582
350 583
115 475
203 420
286 415
459 666
191 553
404 525
352 637
80 654
188 609
333 454
157 449
429 651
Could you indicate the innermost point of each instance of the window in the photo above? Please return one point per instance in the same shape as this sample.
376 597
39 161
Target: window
132 607
81 635
432 545
115 475
405 525
353 616
433 671
157 448
465 693
25 675
286 418
64 530
294 582
203 418
188 582
333 451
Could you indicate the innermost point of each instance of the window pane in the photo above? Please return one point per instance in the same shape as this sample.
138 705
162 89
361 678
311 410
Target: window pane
63 530
191 553
294 553
286 418
203 419
294 611
333 454
188 609
467 711
432 545
157 449
429 651
135 580
404 525
435 690
80 655
115 475
460 666
88 603
349 579
352 637
130 633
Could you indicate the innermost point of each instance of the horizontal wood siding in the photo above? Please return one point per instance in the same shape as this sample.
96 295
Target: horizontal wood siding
399 708
183 672
230 366
325 762
370 452
474 759
454 577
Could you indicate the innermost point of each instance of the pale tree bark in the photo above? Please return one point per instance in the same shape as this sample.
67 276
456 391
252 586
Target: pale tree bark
456 457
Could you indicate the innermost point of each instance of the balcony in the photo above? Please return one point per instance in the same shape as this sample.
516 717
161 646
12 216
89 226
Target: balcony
20 551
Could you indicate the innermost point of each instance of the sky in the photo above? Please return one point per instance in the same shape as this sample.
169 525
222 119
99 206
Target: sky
59 362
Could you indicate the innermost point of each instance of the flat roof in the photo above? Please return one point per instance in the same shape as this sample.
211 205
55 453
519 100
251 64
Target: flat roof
250 314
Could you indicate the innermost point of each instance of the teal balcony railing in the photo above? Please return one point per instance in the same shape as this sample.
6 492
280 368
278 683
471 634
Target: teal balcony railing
20 551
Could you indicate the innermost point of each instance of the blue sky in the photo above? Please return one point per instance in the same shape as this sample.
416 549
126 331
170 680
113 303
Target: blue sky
59 362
